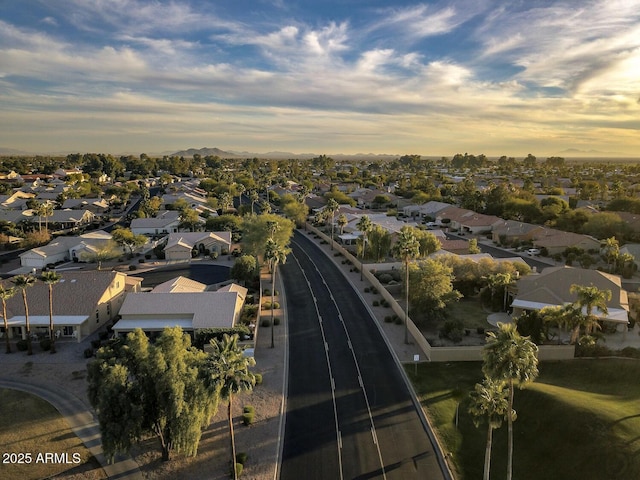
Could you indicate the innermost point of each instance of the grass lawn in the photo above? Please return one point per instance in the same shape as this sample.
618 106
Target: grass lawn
579 420
31 425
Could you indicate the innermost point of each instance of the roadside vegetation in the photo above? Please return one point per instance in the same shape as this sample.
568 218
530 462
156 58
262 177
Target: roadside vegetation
578 420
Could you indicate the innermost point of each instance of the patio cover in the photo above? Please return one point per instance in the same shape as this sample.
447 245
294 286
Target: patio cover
618 315
151 325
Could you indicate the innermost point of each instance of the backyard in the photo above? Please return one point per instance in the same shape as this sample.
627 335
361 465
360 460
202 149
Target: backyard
579 420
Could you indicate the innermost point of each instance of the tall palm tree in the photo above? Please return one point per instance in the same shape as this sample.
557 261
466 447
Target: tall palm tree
364 225
253 198
407 248
23 282
51 278
274 254
342 222
511 358
47 211
272 228
5 294
331 207
489 402
590 297
234 377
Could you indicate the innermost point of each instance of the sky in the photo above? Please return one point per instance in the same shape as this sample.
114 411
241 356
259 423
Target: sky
326 77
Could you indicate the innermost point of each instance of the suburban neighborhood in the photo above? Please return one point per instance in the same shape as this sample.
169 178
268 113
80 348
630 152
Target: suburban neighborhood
94 259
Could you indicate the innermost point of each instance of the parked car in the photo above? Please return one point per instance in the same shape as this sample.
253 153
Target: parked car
533 251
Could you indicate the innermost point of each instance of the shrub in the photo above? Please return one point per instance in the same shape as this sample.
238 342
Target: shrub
241 457
141 260
376 303
480 330
388 319
265 322
258 377
366 289
88 352
385 278
239 468
22 345
266 291
103 335
453 330
399 321
45 344
247 418
132 267
276 321
249 409
96 343
147 256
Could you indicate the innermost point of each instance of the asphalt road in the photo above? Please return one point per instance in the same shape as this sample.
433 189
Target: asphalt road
349 412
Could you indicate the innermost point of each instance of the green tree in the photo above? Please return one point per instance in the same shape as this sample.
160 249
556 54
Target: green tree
510 358
274 254
22 282
50 278
431 287
126 238
164 389
253 198
256 230
297 212
231 369
611 252
6 294
407 248
102 253
429 243
379 241
244 269
189 219
490 404
473 246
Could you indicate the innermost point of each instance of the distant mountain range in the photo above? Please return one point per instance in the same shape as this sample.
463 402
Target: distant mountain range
279 155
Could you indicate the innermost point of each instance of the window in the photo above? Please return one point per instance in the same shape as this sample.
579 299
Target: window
97 316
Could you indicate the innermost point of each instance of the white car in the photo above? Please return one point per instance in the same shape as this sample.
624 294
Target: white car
533 251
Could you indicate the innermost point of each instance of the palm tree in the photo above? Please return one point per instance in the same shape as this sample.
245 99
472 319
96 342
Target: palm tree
364 225
253 198
331 207
274 254
510 358
407 248
225 201
342 222
272 228
47 211
240 189
23 282
589 298
234 377
489 402
5 294
51 278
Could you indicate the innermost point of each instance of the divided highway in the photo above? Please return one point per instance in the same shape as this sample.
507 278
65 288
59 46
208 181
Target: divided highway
349 412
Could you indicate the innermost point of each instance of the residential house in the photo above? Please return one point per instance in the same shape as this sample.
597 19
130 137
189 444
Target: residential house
557 241
83 302
191 310
467 221
428 210
180 245
16 201
97 206
632 249
67 219
165 222
508 231
552 288
64 249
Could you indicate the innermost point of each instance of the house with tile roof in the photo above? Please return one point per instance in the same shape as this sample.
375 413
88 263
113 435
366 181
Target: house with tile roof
508 231
192 311
557 241
165 222
83 302
180 244
552 288
64 249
